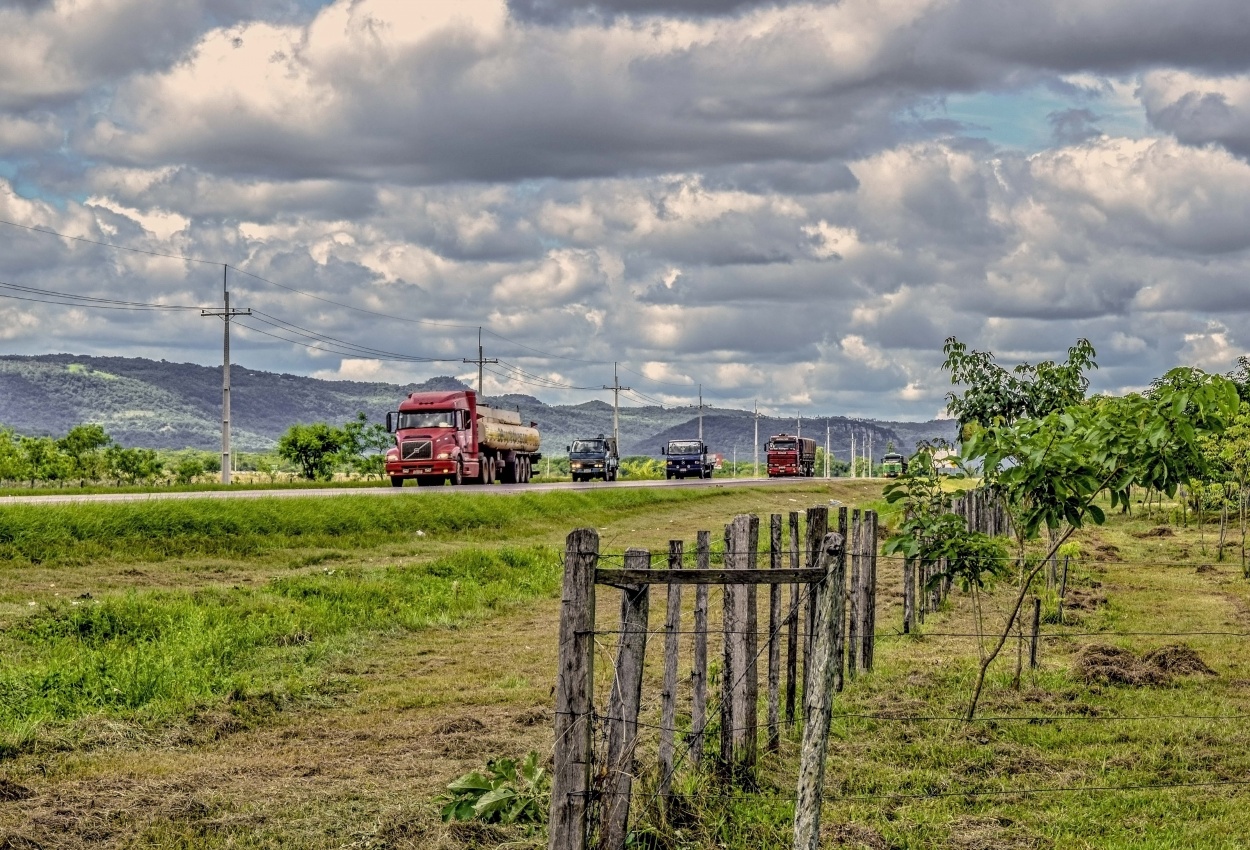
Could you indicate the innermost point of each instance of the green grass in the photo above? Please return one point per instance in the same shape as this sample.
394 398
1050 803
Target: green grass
160 530
153 656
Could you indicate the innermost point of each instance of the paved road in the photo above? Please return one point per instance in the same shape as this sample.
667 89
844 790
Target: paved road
494 490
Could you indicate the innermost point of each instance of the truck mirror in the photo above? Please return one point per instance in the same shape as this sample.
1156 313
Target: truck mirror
663 450
390 423
568 448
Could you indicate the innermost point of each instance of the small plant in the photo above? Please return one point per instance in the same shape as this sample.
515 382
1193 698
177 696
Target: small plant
506 792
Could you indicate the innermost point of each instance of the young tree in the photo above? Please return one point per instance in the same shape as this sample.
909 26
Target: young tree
313 448
43 460
996 395
1052 468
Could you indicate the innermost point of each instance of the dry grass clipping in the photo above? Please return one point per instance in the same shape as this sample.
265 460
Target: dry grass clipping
1101 663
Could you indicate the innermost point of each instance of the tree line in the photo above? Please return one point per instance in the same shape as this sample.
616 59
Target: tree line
88 456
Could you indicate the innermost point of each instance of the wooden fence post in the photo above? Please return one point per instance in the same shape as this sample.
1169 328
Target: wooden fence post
668 696
817 527
774 638
730 662
854 547
751 689
792 633
909 594
1037 627
870 591
737 713
838 574
570 778
623 705
698 674
818 699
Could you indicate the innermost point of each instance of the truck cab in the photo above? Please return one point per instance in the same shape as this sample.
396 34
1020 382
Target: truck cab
687 459
594 457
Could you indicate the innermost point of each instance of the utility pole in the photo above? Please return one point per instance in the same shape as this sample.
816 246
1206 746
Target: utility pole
700 412
826 448
225 313
616 406
799 417
480 361
756 473
853 458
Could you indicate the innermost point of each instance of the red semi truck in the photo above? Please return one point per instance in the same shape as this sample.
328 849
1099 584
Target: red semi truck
448 437
791 456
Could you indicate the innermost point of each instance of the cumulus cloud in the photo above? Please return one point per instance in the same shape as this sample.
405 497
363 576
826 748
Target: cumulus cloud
753 196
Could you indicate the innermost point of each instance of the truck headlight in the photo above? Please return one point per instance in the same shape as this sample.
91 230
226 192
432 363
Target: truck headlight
577 466
443 456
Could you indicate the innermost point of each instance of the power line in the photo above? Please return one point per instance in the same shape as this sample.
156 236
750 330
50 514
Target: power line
86 300
111 245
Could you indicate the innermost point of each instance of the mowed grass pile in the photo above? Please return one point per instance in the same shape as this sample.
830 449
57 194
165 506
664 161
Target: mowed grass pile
157 530
149 656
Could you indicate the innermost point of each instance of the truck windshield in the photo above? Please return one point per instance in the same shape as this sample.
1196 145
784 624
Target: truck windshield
781 445
588 446
427 419
685 448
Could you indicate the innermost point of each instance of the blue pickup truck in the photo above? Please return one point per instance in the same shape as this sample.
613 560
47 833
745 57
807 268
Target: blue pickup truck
688 459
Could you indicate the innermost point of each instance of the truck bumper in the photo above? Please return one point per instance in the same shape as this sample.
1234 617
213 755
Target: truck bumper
407 469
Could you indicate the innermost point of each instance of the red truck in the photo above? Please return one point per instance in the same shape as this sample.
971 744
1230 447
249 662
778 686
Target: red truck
448 437
791 456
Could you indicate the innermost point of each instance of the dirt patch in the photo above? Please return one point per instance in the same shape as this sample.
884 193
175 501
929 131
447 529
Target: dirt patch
1205 568
1106 552
10 790
853 835
1178 660
1116 666
1160 531
18 842
533 717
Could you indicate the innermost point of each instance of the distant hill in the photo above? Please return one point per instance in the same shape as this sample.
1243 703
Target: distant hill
157 404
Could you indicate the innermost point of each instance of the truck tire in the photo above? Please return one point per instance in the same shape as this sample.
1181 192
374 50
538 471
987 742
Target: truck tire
526 470
483 471
397 481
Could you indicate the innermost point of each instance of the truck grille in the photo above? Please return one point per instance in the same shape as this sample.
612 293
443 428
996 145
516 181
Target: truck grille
416 450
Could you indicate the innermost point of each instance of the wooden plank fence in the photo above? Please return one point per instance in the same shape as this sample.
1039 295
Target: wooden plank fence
837 642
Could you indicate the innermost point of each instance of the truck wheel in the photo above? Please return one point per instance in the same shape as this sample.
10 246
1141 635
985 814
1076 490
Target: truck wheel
397 481
527 470
668 475
457 477
483 471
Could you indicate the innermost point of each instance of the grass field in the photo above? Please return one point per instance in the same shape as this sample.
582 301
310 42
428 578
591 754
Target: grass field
310 673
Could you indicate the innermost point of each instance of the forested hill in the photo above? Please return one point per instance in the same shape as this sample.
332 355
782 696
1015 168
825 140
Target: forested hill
157 404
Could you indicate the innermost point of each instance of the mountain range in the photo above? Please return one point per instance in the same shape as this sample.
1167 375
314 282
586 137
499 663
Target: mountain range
163 405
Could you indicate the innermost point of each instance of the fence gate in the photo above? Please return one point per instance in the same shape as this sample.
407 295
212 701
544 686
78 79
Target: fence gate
590 799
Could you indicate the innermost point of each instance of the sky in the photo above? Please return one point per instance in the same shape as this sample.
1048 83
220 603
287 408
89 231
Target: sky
789 204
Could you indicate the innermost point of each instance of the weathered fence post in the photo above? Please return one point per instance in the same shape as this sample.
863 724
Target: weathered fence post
623 705
792 633
817 527
854 547
818 698
909 594
870 591
1037 628
570 778
838 574
698 674
774 638
751 691
668 696
738 709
